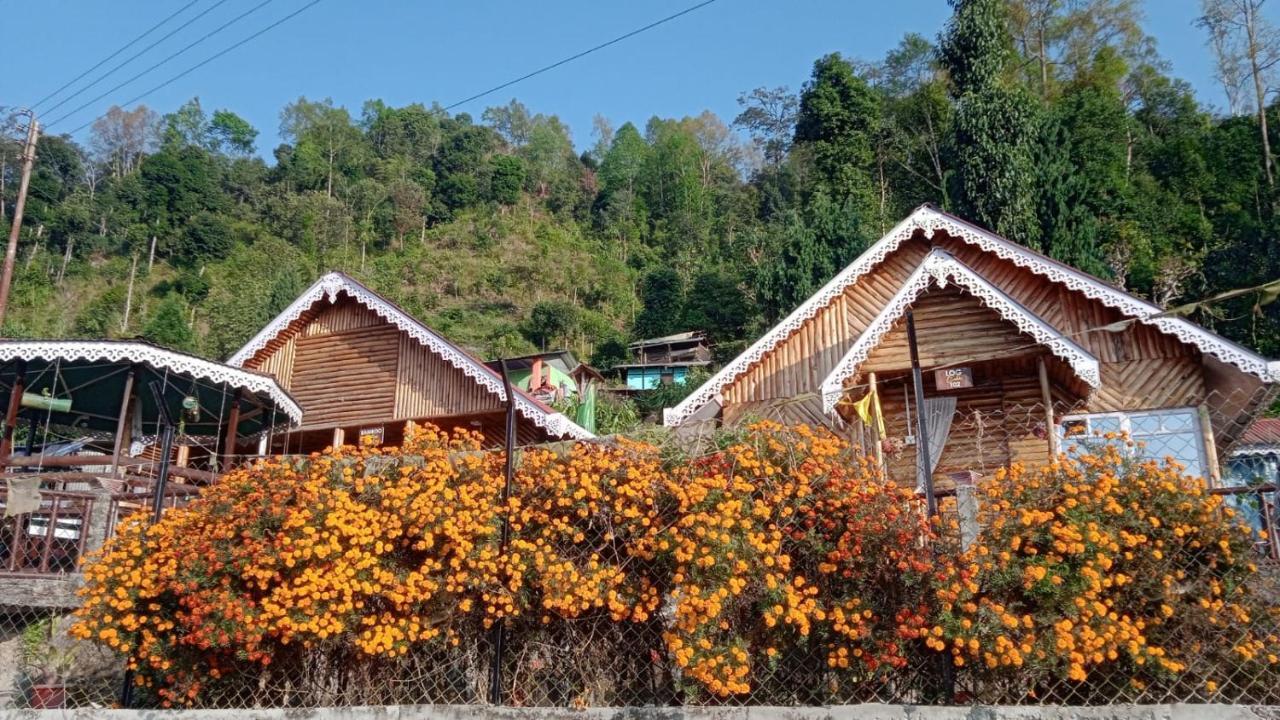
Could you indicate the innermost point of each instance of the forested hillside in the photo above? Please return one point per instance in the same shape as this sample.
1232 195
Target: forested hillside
1054 123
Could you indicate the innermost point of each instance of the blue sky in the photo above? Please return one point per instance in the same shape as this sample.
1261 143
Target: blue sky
404 52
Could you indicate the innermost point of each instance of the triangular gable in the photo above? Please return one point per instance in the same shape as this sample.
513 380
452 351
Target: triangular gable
940 267
329 286
928 220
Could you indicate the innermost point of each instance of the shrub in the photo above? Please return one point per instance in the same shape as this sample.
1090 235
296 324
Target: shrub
1096 577
778 550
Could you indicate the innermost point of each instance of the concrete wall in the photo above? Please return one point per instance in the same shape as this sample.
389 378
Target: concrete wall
842 712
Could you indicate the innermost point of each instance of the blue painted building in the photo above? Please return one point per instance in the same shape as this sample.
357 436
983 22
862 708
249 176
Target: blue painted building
665 360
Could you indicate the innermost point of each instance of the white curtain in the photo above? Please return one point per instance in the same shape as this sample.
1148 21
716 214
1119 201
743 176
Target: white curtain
938 412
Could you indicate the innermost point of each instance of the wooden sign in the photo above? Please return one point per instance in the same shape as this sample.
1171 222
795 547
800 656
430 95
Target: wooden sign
953 378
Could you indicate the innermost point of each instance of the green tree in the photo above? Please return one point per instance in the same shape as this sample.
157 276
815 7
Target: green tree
506 180
662 295
838 120
550 321
992 148
716 305
168 326
232 134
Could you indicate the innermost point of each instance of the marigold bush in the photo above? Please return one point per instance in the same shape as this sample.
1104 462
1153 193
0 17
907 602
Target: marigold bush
781 568
1100 578
778 549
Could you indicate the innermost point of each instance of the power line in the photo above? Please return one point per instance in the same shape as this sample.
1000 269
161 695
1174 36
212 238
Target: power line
135 56
584 53
199 40
207 60
124 47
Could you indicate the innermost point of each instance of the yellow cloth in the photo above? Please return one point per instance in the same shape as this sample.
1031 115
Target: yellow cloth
868 409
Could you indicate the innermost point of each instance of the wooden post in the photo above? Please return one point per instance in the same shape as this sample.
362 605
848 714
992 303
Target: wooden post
924 468
11 416
122 423
339 437
1210 448
229 444
877 441
1050 426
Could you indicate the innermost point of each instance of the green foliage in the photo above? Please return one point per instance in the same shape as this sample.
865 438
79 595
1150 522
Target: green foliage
550 321
609 353
507 179
662 292
838 119
993 144
651 402
168 326
1052 123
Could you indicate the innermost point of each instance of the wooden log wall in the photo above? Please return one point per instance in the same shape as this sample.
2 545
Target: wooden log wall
349 368
800 363
427 385
347 376
1141 366
952 327
999 421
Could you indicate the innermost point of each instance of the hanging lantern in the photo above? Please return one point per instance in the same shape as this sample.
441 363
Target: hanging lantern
191 408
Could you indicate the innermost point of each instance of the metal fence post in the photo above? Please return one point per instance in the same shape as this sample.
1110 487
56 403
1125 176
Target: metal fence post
499 627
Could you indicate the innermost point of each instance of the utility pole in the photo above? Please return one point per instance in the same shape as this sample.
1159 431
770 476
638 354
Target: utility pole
11 253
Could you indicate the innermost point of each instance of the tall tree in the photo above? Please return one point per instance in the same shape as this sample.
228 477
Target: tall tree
120 137
769 117
662 292
1248 50
993 143
836 126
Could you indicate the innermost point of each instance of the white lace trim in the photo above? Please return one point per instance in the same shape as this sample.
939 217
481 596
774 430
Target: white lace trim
941 267
929 220
331 284
157 357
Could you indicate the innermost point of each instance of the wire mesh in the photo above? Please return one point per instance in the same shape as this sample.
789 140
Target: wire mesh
1224 651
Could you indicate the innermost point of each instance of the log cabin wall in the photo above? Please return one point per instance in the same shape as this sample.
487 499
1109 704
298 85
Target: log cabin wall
1141 366
999 421
345 375
952 327
427 385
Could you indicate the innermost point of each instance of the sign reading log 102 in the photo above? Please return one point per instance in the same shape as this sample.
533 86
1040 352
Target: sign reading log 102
953 378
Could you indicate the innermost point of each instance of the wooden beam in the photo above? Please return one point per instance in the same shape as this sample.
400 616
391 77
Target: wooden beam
1210 448
123 428
229 442
1046 397
128 462
15 405
339 437
877 441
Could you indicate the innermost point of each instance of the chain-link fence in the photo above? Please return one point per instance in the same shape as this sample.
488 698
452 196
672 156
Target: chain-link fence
866 610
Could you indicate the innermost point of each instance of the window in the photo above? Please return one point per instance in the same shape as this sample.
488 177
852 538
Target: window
1159 434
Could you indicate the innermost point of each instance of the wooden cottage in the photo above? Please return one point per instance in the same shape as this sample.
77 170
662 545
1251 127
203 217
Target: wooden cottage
362 367
1021 354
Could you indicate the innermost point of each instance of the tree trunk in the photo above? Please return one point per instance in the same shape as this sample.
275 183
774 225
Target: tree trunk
1251 27
151 257
128 296
66 258
1044 62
